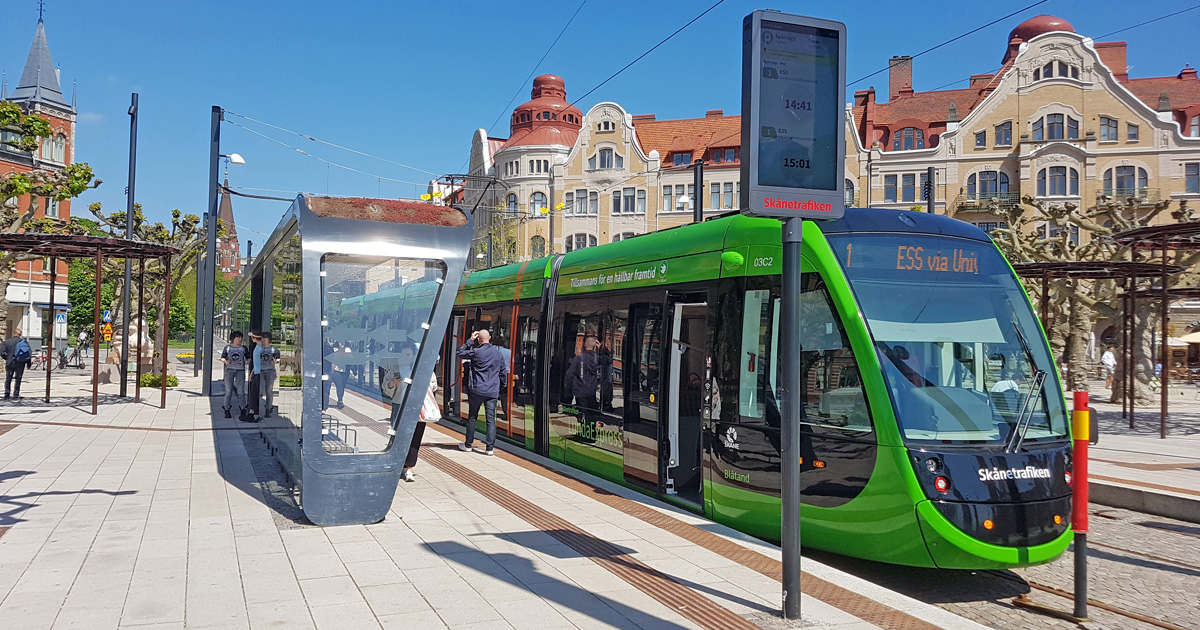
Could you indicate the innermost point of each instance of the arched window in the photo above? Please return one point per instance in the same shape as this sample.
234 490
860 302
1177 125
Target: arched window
1124 181
1057 181
537 203
537 247
986 184
1055 127
606 158
849 192
908 138
622 236
512 205
580 241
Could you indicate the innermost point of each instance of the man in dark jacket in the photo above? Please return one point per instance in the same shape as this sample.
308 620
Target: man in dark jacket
17 355
488 370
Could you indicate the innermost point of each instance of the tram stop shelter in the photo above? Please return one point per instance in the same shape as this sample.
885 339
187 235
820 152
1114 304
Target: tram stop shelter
55 246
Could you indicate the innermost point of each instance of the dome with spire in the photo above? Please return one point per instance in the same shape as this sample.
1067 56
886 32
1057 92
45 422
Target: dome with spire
547 119
39 79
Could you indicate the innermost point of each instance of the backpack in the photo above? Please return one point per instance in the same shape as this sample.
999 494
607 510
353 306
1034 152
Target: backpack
22 352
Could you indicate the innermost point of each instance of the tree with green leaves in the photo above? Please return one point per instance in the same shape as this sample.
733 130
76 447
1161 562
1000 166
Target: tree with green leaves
24 133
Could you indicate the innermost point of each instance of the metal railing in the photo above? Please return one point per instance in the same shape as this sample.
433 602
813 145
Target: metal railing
1128 196
987 202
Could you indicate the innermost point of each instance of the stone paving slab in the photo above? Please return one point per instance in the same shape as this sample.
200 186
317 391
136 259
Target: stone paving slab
142 517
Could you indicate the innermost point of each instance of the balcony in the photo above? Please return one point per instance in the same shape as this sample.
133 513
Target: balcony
1128 197
987 202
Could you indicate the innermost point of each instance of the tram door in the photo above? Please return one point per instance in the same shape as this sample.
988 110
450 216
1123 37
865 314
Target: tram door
452 370
687 376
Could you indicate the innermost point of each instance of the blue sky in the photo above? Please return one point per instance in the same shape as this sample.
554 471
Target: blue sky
411 81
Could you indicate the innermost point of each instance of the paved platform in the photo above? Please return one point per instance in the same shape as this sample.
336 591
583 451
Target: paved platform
174 518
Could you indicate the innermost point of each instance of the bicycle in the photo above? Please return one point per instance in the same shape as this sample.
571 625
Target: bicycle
38 361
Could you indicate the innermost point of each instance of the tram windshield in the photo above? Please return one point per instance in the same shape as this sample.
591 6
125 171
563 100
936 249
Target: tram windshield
953 330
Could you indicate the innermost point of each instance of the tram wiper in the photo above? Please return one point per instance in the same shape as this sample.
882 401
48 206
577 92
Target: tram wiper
1028 405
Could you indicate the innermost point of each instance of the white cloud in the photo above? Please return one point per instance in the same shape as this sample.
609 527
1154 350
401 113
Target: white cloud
90 117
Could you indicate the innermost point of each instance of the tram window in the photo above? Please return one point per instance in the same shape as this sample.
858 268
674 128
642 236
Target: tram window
832 387
375 310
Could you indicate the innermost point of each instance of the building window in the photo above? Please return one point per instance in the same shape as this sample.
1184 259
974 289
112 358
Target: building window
569 203
849 193
1072 128
537 203
51 208
606 125
889 188
623 236
1108 129
606 158
1037 74
1074 72
680 159
1037 129
667 205
1054 126
1125 180
580 241
728 205
537 247
512 205
716 156
593 203
616 202
592 163
1048 70
988 226
1195 129
981 138
1191 177
679 198
641 201
715 194
731 155
1062 69
580 206
531 167
989 184
1057 181
1051 229
908 138
1131 131
908 187
1004 134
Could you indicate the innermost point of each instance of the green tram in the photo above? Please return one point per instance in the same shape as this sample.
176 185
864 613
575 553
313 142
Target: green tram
935 431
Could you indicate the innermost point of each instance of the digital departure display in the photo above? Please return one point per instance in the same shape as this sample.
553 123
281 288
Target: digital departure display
917 255
798 107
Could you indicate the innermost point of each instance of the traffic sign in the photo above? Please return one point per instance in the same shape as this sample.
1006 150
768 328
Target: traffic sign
107 316
61 318
793 135
107 331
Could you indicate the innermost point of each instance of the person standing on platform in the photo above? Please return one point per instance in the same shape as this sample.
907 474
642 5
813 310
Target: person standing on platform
265 356
430 412
488 370
253 391
17 355
234 358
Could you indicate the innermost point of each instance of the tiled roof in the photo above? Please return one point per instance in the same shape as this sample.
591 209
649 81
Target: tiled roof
689 134
927 106
1183 92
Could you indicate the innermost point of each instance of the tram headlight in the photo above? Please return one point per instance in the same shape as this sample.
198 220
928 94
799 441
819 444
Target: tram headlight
942 484
934 465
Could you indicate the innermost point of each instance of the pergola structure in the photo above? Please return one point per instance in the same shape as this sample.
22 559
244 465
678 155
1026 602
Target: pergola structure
1176 237
57 246
1128 272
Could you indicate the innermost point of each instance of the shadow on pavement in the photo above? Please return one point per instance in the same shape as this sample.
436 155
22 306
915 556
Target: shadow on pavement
934 586
22 502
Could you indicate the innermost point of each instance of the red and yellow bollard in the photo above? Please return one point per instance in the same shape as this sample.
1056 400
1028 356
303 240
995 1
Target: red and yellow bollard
1080 433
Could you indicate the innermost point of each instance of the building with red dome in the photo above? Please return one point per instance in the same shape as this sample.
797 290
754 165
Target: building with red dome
39 91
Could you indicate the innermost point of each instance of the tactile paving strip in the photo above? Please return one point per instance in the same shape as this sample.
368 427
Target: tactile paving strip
844 599
691 605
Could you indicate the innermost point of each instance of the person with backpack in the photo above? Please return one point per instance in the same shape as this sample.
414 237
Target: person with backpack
265 356
16 354
234 357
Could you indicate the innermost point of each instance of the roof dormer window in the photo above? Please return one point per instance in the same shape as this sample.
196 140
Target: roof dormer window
908 138
606 125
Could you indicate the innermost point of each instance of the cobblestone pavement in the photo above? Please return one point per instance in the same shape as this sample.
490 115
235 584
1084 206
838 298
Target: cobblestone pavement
1139 563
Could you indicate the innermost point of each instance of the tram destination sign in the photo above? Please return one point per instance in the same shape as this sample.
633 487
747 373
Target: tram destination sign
793 90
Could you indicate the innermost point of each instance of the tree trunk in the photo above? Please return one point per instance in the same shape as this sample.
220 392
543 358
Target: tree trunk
5 276
1145 319
1080 325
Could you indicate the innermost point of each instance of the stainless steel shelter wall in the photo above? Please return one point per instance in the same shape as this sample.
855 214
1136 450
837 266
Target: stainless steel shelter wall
390 332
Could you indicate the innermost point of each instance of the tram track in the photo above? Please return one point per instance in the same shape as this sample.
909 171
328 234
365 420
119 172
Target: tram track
1117 610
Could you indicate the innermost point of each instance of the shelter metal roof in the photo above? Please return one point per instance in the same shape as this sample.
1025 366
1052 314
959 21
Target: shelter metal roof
1177 236
1094 270
80 246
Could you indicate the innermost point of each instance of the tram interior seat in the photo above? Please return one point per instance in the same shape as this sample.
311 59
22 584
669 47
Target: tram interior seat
941 410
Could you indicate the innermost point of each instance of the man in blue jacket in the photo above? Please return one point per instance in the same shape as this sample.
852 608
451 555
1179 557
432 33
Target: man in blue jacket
488 370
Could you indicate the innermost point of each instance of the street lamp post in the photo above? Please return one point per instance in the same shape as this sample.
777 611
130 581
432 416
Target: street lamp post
206 281
129 211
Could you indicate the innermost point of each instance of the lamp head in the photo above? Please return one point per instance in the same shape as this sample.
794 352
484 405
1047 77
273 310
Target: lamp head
235 158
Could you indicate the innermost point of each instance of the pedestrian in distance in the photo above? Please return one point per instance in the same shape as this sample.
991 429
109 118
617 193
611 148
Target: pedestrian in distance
430 412
265 357
234 356
487 369
1108 361
253 395
17 355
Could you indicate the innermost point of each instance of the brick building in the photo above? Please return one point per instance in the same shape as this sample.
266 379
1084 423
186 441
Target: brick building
229 253
39 91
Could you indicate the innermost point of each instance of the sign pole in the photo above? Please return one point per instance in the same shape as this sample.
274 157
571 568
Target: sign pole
791 345
1079 499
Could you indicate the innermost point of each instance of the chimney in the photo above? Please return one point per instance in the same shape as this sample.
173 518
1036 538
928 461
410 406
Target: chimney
1164 102
899 76
714 113
978 81
1112 55
1188 72
637 118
